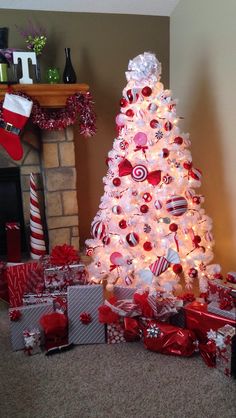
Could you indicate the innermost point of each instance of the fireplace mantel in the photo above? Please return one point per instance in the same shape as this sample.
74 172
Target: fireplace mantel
48 95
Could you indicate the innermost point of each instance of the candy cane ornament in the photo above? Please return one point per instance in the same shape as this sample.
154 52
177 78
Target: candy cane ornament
37 241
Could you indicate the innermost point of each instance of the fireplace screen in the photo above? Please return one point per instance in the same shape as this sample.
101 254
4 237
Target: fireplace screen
11 208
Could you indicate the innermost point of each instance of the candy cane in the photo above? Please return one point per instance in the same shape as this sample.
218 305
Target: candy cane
37 242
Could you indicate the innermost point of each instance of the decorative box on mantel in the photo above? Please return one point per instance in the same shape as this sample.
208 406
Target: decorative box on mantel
50 155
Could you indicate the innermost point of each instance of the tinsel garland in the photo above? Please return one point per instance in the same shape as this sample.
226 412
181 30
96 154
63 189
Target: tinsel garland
79 107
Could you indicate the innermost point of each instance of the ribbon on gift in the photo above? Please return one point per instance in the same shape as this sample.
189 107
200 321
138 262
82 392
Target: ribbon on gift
124 307
15 315
106 315
141 299
131 329
126 168
85 318
63 255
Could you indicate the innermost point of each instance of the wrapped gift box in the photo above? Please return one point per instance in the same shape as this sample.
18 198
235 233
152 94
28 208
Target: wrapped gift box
25 318
60 277
32 340
214 308
115 333
199 320
17 277
3 282
83 303
124 292
225 344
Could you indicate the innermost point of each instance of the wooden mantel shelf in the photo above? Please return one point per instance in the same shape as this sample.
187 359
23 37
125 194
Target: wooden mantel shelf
48 95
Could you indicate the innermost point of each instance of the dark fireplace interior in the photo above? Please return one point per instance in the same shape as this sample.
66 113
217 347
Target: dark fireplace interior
11 208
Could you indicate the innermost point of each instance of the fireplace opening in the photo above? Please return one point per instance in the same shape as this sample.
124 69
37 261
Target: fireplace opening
11 207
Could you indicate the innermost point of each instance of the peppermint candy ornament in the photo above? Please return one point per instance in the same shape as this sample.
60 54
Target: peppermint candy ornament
132 239
139 173
132 95
98 229
167 179
177 205
89 252
195 173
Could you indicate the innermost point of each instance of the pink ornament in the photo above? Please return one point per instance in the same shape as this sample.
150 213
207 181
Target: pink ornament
140 138
177 205
98 229
120 119
116 258
132 239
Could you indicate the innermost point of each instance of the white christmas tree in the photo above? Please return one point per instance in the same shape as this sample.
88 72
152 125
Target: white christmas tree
150 229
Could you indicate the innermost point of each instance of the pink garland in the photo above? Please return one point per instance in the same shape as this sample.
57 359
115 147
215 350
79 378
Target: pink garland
79 107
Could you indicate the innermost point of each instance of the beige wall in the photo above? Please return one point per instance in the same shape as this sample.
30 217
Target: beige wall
202 76
101 46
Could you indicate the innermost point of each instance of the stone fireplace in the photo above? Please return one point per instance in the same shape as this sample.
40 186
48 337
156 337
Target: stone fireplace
50 156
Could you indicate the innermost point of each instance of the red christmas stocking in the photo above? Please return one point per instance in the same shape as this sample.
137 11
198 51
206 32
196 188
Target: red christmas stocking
16 112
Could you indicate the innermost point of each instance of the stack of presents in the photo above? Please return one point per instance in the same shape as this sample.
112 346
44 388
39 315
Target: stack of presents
53 307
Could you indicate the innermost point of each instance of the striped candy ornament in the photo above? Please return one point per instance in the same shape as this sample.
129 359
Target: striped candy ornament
132 239
98 229
195 173
139 173
177 205
159 266
37 241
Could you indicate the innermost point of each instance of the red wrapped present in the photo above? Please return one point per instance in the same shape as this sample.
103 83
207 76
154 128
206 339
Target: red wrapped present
199 320
55 328
168 339
13 235
17 278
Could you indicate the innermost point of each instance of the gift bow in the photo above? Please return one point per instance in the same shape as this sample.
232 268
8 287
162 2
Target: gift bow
85 318
15 315
131 329
126 168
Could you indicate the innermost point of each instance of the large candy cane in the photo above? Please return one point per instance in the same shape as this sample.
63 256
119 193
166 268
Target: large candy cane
37 242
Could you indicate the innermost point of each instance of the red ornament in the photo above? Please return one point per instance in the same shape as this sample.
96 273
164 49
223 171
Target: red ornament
123 224
165 153
124 145
117 210
168 126
195 173
193 273
129 113
132 239
144 208
173 227
106 240
154 123
178 140
197 240
177 268
196 200
147 197
187 165
146 91
147 246
123 102
116 181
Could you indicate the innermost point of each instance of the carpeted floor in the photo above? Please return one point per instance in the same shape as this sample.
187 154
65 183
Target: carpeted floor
105 381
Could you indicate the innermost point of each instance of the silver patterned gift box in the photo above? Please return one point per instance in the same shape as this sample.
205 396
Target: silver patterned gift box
25 318
60 277
83 303
124 292
214 308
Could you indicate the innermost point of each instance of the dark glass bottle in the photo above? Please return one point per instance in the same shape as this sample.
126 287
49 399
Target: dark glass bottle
69 76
